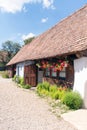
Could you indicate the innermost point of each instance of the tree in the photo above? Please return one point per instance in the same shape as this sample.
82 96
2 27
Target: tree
27 41
3 55
11 48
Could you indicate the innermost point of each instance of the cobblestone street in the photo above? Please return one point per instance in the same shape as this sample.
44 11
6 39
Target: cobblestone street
23 110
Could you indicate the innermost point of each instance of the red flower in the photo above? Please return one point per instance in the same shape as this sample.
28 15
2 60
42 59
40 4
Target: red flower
62 64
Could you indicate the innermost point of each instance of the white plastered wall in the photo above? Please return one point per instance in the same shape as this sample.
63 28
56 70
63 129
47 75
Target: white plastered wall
20 69
80 77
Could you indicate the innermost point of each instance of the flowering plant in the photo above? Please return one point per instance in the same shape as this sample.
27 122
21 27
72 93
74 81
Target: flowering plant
57 66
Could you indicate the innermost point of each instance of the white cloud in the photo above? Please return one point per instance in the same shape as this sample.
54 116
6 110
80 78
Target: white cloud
44 20
48 3
28 36
12 6
24 9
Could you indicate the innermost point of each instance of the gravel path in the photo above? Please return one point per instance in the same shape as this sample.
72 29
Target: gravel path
23 110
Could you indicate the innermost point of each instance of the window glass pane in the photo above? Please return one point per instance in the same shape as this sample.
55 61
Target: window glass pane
47 72
54 73
62 73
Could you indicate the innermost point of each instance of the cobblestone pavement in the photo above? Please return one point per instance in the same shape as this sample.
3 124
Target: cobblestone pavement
23 110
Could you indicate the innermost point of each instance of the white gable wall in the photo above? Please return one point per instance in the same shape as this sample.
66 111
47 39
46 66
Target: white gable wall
20 69
80 77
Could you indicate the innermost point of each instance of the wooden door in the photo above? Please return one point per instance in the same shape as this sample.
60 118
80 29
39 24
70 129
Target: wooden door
30 75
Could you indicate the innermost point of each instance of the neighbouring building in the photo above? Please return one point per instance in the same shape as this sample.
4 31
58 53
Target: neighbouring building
58 56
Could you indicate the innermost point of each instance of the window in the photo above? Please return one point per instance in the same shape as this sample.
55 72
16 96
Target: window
47 72
53 73
62 74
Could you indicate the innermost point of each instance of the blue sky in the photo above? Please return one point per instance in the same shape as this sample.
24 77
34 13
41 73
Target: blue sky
20 19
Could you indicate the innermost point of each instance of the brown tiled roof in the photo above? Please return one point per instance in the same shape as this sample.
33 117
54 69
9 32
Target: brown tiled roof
68 36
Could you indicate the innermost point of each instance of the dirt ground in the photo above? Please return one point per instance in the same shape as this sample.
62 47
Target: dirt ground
23 110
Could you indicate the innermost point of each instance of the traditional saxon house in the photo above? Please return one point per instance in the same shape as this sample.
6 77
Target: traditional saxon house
58 56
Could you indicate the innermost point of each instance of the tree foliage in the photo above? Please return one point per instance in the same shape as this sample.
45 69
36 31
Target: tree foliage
2 58
27 41
11 48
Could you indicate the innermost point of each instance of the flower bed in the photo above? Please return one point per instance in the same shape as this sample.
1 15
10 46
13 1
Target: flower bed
72 99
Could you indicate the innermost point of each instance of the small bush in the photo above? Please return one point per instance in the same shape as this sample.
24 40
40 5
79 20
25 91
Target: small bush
18 79
73 100
5 74
27 86
55 95
46 86
14 78
22 81
61 94
53 88
42 87
39 87
43 93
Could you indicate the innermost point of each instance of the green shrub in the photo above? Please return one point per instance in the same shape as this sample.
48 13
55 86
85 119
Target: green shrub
5 74
18 79
53 88
39 87
43 88
27 86
61 94
14 78
22 81
73 100
55 95
46 86
43 93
